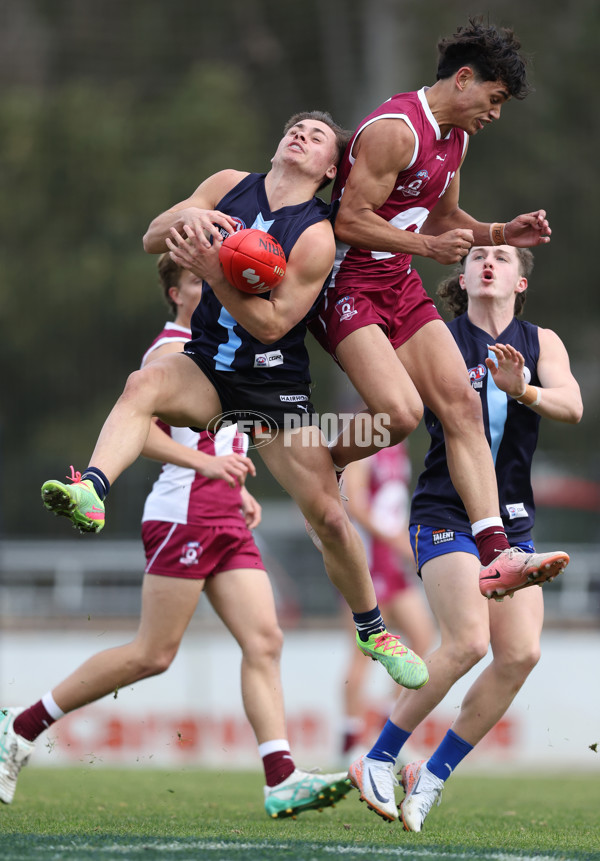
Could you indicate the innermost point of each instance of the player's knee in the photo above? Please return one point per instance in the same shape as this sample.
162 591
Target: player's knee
331 524
402 419
467 653
264 645
461 415
142 385
519 663
155 662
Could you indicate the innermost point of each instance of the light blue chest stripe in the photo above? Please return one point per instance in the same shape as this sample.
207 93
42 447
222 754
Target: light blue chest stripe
225 355
497 404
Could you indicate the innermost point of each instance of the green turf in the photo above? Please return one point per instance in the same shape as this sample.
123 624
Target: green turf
98 813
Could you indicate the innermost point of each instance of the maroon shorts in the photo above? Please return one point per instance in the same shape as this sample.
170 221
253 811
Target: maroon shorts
400 309
196 552
386 572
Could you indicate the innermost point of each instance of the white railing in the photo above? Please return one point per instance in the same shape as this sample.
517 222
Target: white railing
73 578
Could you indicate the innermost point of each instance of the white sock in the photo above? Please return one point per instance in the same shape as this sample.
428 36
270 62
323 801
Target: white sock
480 525
273 746
53 710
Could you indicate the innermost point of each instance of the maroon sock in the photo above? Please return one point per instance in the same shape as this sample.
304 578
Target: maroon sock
490 542
33 721
351 740
278 765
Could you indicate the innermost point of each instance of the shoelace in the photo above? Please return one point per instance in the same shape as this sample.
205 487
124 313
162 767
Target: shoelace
391 643
75 477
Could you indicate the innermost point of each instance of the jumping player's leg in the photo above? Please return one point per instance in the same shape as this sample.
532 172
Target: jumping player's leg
172 388
300 461
369 360
437 368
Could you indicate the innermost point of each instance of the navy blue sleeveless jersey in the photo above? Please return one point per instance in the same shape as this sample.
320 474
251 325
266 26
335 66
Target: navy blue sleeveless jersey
216 335
511 430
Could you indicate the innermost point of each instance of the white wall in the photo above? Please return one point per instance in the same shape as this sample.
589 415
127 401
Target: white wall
192 715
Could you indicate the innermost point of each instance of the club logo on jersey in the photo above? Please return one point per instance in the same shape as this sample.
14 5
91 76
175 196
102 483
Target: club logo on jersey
345 308
441 536
516 509
415 185
239 225
477 375
190 553
268 360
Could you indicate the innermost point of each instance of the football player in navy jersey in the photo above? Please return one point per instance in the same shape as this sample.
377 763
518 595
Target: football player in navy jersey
520 372
398 191
219 372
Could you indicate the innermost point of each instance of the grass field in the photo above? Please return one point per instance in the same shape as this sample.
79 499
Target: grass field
100 813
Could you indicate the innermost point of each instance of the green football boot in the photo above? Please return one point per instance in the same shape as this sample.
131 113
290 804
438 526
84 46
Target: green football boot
77 501
404 666
305 790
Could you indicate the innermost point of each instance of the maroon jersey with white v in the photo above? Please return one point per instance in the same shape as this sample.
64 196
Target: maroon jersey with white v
181 495
417 190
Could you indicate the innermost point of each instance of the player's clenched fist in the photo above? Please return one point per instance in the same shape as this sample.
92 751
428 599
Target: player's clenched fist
450 247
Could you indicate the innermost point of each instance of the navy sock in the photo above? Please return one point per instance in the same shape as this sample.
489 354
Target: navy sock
387 747
450 752
98 479
368 623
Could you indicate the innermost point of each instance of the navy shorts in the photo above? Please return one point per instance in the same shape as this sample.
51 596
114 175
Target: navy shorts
258 405
427 542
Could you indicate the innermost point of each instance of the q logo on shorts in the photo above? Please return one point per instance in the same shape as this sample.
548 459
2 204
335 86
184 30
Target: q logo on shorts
190 553
345 308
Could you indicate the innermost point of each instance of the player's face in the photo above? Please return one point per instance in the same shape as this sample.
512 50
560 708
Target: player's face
492 272
480 104
310 144
187 296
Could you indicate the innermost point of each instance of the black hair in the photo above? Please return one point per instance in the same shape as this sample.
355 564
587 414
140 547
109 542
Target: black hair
492 53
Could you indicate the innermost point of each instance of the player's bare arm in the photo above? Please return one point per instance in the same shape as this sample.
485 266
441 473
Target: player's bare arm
200 206
560 397
525 231
267 320
382 150
232 468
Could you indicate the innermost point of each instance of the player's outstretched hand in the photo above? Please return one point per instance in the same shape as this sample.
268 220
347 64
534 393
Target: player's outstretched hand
508 373
232 468
528 230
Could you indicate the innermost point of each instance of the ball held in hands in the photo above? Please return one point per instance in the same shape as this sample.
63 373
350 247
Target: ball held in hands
252 260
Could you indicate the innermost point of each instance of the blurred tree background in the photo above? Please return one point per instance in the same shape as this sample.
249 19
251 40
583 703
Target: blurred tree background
112 111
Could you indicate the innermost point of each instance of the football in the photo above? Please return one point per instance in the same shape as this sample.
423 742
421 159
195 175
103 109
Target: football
252 260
